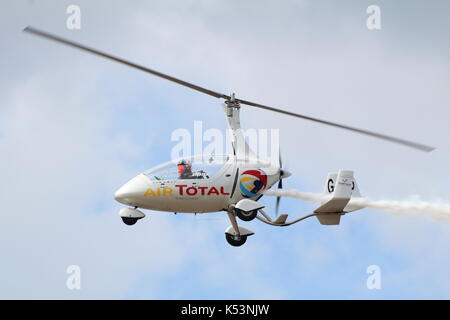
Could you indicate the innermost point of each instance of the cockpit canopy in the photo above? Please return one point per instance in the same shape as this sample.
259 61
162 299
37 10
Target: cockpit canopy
195 167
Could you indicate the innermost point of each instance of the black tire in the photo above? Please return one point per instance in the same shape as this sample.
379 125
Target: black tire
129 221
246 215
235 241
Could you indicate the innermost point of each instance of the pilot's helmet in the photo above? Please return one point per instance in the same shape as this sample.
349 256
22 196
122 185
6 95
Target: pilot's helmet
183 165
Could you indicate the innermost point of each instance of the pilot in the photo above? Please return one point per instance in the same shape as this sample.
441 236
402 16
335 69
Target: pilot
185 169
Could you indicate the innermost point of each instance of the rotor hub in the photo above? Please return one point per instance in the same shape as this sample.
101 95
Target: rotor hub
231 102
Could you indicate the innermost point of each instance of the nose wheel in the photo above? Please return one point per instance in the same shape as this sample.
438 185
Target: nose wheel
129 221
131 215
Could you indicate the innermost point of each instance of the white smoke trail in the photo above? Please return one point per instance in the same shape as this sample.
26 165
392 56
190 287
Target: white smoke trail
437 210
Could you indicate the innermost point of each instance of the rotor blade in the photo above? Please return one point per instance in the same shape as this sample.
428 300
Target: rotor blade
215 94
407 143
49 36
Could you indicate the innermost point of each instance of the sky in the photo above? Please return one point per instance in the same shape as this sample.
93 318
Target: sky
74 128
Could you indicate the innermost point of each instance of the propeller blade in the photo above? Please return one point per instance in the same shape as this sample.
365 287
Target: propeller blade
280 183
277 205
407 143
73 44
280 162
215 94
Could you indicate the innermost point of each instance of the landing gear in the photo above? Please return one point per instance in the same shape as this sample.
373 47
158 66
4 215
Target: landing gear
235 240
129 221
130 215
246 215
235 235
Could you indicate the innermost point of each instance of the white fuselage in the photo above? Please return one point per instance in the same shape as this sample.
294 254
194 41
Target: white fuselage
227 187
241 175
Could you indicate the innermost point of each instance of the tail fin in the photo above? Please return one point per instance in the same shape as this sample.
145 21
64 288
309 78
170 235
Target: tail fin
342 187
330 185
355 190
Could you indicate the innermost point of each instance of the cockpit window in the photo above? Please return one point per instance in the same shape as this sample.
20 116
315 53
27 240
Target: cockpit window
197 167
184 168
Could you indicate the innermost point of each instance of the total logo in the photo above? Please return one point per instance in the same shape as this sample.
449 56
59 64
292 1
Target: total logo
252 183
185 190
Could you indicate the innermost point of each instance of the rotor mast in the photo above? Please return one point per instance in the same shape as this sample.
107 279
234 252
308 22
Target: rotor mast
241 148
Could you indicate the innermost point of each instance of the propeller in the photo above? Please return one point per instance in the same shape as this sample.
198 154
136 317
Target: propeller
219 95
280 183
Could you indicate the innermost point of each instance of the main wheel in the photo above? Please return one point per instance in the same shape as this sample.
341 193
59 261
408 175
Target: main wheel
129 221
235 241
246 215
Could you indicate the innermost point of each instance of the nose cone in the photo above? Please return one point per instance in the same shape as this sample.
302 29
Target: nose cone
133 191
285 174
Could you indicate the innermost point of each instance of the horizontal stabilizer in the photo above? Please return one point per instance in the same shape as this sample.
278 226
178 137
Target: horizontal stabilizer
329 219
